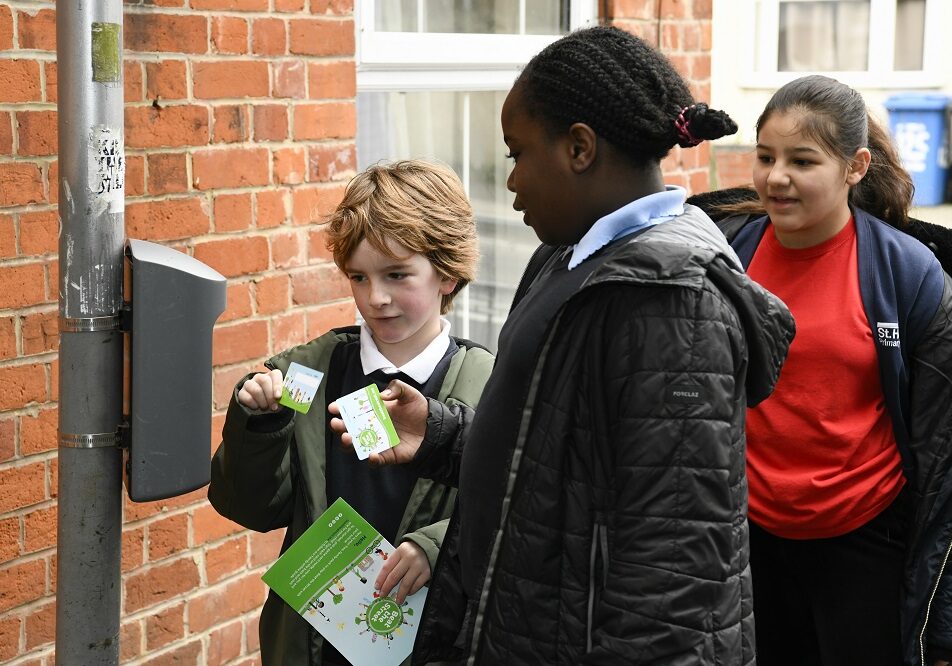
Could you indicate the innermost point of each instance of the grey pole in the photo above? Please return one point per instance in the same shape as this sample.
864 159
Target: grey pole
91 209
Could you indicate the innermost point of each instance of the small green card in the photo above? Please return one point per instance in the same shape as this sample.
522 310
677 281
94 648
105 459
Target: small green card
300 387
368 421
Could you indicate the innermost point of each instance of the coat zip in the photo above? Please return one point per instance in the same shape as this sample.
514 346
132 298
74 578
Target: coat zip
922 634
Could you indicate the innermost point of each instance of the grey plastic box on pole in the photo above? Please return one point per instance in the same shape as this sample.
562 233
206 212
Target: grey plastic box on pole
175 302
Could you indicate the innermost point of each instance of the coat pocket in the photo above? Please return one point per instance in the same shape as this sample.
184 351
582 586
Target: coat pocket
597 575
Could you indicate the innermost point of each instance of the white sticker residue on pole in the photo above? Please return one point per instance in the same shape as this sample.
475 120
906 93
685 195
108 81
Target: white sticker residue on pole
107 169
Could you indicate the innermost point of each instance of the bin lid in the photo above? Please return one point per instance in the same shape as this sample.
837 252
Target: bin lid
917 101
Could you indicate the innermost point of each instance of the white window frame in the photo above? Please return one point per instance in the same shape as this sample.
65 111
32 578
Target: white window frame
762 18
448 61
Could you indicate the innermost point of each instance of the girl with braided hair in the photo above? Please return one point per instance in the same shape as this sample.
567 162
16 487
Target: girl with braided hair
602 495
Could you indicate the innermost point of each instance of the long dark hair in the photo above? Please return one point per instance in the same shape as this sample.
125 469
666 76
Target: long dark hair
835 116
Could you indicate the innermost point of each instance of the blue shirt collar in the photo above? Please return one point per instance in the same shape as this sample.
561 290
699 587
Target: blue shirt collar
640 213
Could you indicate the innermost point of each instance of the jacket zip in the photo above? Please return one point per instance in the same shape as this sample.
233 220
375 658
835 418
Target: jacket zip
935 588
599 547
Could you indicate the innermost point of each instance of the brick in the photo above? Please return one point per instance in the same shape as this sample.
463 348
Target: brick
265 547
165 627
271 122
39 529
332 80
8 341
22 384
235 5
634 9
237 302
21 286
168 173
233 343
52 93
8 237
223 387
328 120
167 219
167 536
189 653
289 166
166 80
225 602
311 204
22 486
51 181
224 644
37 30
269 36
231 167
38 431
252 637
271 208
8 449
51 286
160 583
130 640
173 33
229 35
317 245
39 233
41 626
232 123
288 5
290 79
288 330
20 183
6 133
154 127
287 250
19 82
40 332
207 524
234 78
331 162
331 315
319 284
9 529
332 7
272 294
675 9
9 626
135 175
22 582
133 548
232 212
132 81
321 37
6 33
234 256
226 559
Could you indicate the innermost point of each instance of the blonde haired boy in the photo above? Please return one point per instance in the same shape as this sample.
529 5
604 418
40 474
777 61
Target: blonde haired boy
405 237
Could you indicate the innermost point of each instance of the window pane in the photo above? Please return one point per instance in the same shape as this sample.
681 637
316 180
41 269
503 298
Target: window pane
910 34
824 36
431 125
499 17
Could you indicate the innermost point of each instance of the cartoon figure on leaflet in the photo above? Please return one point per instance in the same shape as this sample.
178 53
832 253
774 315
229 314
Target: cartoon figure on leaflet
383 618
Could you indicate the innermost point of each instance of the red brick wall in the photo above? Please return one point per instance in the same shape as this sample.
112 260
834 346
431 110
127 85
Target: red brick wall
240 125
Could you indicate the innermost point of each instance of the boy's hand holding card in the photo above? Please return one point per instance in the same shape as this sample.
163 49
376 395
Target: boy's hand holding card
300 387
367 421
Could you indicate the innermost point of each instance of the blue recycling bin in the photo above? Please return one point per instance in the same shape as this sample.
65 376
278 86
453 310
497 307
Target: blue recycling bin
919 123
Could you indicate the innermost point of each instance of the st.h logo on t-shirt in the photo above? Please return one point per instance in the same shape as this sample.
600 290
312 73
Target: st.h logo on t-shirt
888 334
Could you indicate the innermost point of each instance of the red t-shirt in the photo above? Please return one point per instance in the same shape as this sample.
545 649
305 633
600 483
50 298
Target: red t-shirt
821 456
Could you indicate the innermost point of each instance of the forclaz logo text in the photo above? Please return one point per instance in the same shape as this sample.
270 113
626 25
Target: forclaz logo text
888 334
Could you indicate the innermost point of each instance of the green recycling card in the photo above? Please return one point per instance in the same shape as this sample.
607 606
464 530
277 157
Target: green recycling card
328 576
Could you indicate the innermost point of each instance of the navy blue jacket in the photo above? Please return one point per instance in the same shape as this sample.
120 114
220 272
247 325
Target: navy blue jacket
908 300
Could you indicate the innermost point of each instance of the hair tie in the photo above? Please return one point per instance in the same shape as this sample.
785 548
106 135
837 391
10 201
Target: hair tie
683 126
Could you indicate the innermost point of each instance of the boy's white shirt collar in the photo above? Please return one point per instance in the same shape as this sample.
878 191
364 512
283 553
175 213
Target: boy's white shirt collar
644 212
419 368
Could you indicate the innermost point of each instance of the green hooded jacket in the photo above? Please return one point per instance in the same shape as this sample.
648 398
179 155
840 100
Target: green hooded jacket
268 480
